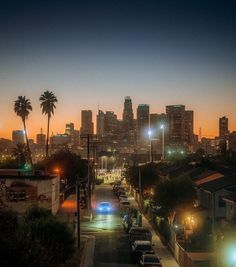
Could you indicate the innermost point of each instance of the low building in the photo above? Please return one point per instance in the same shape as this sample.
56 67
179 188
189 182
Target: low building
19 190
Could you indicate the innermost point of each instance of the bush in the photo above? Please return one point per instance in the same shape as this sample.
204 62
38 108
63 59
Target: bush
36 213
54 236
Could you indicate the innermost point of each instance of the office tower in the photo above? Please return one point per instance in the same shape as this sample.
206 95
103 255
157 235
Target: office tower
128 116
41 139
179 126
188 127
73 135
156 120
110 122
176 124
86 122
18 137
59 139
142 123
100 123
232 141
70 128
223 128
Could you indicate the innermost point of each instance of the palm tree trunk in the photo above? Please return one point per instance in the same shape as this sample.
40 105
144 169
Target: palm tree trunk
47 141
27 142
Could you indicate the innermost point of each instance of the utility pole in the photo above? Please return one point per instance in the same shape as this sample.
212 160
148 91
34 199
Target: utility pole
90 175
94 165
89 178
151 150
78 210
140 185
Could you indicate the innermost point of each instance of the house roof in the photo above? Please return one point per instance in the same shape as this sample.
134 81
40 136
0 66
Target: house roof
209 178
231 197
220 183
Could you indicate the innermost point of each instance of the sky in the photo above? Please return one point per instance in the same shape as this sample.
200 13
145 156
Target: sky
92 53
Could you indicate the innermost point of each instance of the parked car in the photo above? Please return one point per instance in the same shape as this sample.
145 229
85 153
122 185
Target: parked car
139 233
150 260
140 247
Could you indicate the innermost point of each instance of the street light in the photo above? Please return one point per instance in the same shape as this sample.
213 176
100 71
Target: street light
189 223
150 139
163 141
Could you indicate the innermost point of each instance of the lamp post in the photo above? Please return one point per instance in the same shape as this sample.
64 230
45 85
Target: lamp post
163 141
150 139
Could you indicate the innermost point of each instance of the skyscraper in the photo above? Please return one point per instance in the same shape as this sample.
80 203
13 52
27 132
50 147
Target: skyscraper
142 123
223 128
156 120
128 116
18 137
41 139
100 123
110 122
188 127
179 126
176 124
86 122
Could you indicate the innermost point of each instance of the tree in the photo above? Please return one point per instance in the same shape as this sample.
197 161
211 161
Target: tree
148 173
22 108
20 153
71 165
175 195
16 246
48 100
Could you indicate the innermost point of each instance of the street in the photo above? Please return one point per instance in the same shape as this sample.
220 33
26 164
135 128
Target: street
111 246
111 243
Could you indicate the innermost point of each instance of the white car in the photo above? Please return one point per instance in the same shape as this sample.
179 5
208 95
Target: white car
150 260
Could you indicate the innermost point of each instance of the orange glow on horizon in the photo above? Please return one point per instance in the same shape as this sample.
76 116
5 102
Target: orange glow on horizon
202 118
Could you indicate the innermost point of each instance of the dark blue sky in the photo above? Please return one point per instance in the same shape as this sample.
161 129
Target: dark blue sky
90 52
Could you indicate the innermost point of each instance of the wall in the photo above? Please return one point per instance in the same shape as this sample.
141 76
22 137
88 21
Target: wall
21 193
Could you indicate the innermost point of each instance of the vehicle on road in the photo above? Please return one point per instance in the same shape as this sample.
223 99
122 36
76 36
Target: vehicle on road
139 233
139 248
150 260
104 207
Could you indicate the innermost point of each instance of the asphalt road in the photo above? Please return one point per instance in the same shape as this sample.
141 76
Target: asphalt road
111 245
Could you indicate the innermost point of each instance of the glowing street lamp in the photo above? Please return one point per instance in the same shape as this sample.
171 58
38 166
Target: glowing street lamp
163 141
150 139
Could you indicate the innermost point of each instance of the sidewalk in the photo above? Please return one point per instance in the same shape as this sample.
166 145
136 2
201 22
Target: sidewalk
161 250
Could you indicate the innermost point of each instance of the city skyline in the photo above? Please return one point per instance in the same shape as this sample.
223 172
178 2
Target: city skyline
62 127
91 54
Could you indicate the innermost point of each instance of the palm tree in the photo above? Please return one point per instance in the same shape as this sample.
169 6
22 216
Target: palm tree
48 100
21 153
22 108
